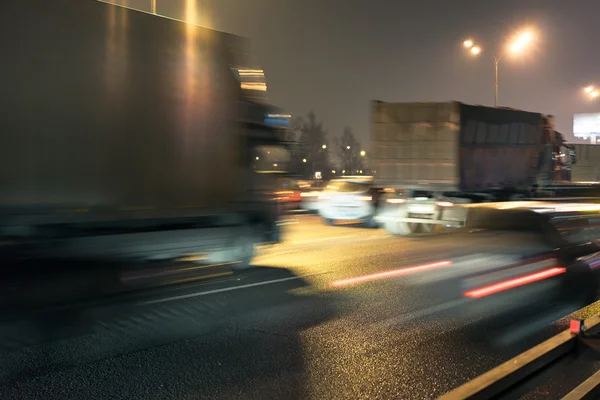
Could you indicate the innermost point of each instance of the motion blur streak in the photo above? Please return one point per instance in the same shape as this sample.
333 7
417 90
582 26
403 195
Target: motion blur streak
390 274
513 283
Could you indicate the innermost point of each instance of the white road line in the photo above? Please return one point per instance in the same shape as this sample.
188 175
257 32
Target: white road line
229 289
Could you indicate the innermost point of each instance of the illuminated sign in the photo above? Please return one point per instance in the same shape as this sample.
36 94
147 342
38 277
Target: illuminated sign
278 120
586 125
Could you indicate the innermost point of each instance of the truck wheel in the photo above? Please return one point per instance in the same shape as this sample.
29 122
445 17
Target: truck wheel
243 249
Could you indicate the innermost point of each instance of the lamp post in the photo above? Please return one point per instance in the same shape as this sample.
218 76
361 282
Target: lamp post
516 46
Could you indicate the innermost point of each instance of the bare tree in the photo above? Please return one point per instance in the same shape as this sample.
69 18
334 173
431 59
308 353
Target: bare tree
310 154
348 152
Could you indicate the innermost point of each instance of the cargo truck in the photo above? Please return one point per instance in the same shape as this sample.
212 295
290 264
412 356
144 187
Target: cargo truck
587 165
435 157
131 137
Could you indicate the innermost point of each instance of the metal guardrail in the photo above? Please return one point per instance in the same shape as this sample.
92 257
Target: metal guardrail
502 378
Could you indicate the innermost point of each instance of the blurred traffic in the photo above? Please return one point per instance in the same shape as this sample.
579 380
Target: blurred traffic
152 193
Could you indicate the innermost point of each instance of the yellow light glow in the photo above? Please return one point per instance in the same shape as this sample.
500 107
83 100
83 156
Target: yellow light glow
525 37
363 153
594 94
522 41
468 43
589 89
475 50
254 86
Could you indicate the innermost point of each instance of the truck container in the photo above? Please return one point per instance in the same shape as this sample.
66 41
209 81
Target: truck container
441 154
587 165
131 136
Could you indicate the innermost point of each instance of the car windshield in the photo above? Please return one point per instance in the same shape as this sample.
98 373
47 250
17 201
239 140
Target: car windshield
347 187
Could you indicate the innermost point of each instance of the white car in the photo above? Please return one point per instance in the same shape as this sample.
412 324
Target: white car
348 199
309 198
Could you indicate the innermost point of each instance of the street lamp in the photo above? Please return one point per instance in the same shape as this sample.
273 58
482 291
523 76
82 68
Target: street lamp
592 91
347 147
516 46
304 160
324 146
363 153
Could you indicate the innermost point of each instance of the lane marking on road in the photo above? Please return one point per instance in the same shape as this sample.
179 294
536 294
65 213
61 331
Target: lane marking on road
230 289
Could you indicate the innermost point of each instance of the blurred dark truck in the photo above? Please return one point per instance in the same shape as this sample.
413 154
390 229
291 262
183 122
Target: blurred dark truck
129 137
431 158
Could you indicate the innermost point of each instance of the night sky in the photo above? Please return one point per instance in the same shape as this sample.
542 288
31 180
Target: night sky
334 56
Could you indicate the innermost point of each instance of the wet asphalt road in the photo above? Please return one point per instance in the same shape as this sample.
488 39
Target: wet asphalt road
282 330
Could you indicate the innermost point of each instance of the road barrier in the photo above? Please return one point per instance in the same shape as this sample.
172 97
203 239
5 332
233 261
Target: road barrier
515 371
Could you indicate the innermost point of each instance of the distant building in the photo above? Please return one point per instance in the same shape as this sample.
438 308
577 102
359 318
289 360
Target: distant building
587 126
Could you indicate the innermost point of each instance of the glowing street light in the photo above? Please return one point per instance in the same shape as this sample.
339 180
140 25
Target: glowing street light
257 158
516 46
347 147
592 91
304 160
333 171
363 153
324 146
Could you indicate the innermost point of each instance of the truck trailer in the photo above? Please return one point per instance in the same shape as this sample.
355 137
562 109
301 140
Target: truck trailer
437 156
131 137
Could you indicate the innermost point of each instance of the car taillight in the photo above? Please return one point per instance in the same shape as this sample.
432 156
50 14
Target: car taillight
396 201
366 198
444 204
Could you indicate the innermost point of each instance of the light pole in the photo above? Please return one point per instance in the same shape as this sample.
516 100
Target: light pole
519 43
